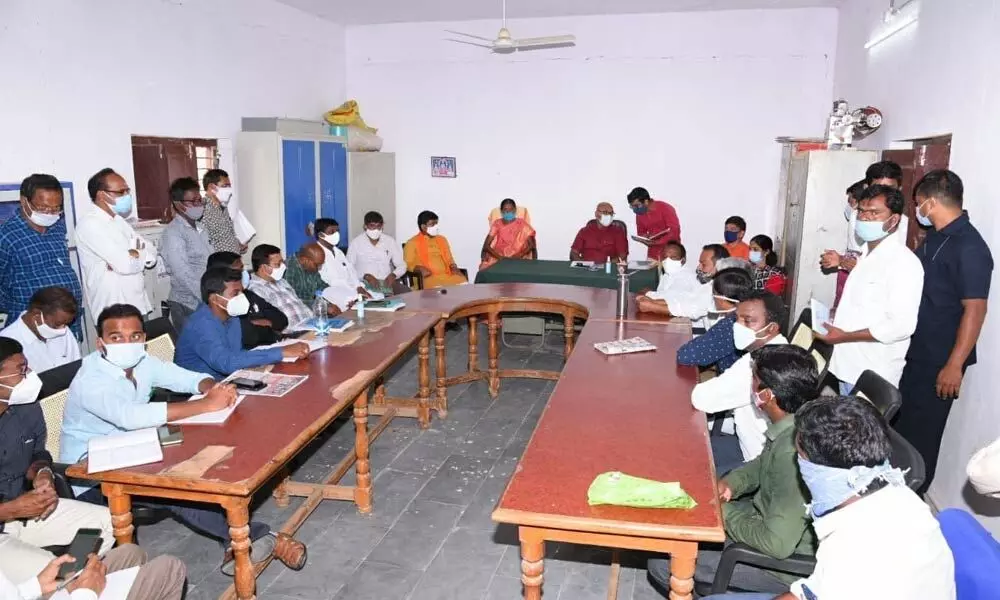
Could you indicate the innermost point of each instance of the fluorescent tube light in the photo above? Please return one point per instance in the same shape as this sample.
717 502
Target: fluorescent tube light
895 21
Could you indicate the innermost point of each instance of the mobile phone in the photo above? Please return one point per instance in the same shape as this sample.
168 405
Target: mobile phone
252 385
85 542
169 435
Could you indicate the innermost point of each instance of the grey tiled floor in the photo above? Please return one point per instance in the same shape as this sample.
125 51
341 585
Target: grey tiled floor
430 536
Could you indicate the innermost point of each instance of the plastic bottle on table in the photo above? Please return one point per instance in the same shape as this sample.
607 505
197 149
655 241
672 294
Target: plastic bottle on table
321 311
360 307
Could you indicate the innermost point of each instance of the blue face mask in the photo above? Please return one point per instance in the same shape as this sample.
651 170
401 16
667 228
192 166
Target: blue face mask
245 278
640 209
731 236
756 256
123 205
508 216
925 221
831 486
870 231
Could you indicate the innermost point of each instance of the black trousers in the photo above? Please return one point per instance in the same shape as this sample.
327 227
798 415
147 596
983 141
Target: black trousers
923 416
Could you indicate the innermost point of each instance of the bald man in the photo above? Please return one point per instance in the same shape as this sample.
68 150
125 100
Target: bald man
302 272
601 239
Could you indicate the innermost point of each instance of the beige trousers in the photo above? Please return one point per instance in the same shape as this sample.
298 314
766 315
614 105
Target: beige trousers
21 554
159 579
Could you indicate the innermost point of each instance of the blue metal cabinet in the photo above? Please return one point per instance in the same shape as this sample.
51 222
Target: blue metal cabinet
299 175
333 186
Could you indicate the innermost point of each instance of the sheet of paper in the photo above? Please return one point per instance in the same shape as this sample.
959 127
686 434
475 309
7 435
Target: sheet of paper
276 384
126 449
118 584
820 315
314 345
217 417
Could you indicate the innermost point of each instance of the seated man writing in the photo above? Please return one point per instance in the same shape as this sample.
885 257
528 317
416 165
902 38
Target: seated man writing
263 323
429 254
111 394
716 346
32 516
693 303
758 323
378 257
214 344
43 329
268 282
344 285
762 500
159 579
601 239
509 237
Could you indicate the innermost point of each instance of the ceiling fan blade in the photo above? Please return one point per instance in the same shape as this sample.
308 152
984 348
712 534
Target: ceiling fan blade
555 40
477 37
476 44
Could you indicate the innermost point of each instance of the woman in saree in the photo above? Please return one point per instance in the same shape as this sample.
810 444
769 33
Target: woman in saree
509 237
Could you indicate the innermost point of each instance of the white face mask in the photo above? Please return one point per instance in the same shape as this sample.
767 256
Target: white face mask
605 220
744 337
848 211
43 219
432 231
672 266
124 356
49 333
224 195
238 305
278 272
26 390
331 238
373 234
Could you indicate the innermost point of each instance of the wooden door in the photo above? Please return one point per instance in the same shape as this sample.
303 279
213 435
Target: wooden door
926 156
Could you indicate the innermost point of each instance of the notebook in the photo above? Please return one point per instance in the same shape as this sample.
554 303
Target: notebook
629 346
314 344
333 325
386 305
649 239
217 417
126 449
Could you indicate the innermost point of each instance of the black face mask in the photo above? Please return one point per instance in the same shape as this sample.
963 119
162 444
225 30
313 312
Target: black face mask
702 276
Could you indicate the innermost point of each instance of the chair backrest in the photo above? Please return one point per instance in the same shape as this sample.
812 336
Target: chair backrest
802 331
522 212
53 408
976 553
906 457
874 388
154 328
58 379
161 347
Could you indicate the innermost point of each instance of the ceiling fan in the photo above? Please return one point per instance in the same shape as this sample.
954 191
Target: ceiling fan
505 44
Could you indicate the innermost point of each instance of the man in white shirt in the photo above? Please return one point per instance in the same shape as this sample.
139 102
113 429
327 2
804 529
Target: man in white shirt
112 255
344 284
43 329
689 300
677 277
123 573
378 257
758 323
877 313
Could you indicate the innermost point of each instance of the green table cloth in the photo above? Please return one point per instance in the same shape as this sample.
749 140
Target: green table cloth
558 271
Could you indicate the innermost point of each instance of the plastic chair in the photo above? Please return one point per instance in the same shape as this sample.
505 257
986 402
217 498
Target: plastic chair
976 553
161 347
883 395
904 456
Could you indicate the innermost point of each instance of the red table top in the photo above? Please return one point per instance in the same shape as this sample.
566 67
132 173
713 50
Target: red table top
628 413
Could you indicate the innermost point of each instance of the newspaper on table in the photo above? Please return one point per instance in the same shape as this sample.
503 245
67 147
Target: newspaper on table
629 346
276 384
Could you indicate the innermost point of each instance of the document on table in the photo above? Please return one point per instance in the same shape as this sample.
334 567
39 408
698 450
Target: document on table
216 417
275 384
314 345
126 449
820 315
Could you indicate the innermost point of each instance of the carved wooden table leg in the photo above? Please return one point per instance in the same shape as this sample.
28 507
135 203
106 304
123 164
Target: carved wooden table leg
120 504
424 381
281 491
473 344
442 369
493 324
682 562
379 396
568 333
363 487
238 517
532 566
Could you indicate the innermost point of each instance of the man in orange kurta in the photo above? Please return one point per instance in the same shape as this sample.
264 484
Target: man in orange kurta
429 254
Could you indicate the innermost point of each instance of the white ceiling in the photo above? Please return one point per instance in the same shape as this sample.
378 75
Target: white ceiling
363 12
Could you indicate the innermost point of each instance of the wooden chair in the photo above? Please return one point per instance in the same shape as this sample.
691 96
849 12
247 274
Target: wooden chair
415 281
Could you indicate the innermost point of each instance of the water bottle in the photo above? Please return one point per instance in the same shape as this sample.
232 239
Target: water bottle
607 266
321 311
622 305
360 307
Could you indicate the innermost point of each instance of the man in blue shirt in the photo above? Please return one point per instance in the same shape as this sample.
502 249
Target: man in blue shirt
716 346
111 393
958 266
33 251
212 340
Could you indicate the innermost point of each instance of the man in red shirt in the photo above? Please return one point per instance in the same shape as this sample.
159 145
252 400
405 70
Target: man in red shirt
601 238
655 220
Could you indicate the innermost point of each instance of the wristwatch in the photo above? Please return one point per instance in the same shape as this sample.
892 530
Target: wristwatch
43 469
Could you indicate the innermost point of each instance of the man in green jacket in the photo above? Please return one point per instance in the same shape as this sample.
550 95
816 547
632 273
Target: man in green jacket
763 502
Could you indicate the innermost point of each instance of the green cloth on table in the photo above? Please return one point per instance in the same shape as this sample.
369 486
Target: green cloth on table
625 490
558 271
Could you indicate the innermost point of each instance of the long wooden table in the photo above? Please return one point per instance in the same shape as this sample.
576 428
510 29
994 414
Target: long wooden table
657 422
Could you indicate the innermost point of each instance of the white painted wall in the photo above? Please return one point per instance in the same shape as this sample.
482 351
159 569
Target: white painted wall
81 77
940 76
685 104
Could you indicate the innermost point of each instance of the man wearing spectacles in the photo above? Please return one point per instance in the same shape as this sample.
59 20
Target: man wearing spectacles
112 255
185 248
33 250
